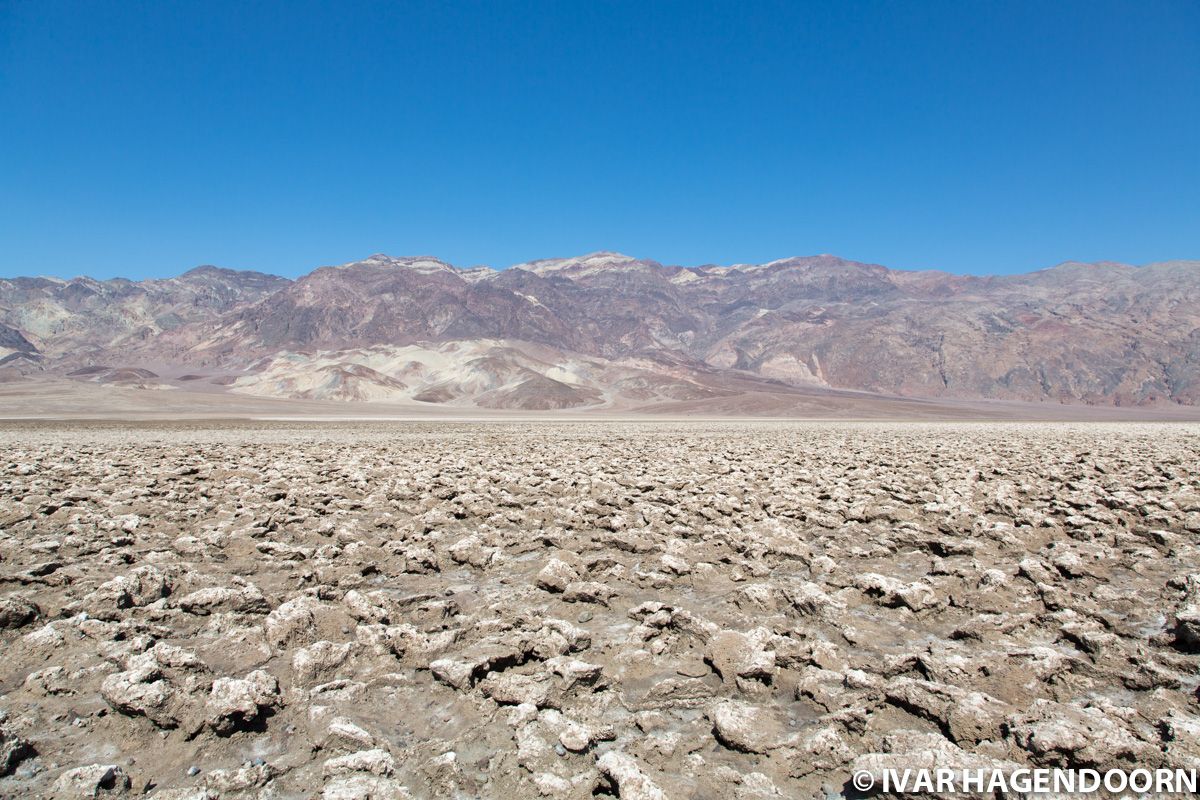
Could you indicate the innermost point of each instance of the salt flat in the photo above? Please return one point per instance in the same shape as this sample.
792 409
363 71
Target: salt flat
633 609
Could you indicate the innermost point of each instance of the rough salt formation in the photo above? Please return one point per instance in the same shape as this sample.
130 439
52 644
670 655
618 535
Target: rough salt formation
650 611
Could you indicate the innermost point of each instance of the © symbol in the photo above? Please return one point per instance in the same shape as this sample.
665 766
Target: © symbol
863 780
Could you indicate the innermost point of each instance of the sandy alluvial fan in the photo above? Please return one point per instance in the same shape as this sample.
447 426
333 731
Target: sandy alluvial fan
571 611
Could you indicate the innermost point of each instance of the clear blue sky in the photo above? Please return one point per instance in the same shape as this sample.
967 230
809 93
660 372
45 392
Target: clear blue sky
143 138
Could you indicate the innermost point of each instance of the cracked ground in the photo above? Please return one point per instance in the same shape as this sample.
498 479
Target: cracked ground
570 610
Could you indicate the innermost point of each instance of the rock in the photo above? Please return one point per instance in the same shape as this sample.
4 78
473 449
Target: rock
741 726
295 620
455 672
810 599
397 640
508 688
1187 629
826 749
575 737
1089 637
463 670
49 681
176 658
13 750
47 637
16 612
632 783
577 638
234 703
375 762
735 655
550 785
587 592
345 734
917 596
574 671
472 550
761 597
243 600
94 780
677 693
1181 735
140 587
1059 734
968 717
142 690
365 609
320 658
674 564
556 575
893 593
364 787
186 793
243 779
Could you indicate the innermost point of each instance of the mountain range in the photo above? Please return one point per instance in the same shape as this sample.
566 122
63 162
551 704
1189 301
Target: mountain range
607 331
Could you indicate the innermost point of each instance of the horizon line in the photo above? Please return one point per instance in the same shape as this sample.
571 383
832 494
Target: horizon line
709 265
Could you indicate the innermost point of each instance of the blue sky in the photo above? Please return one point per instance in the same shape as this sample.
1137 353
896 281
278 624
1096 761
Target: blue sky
144 138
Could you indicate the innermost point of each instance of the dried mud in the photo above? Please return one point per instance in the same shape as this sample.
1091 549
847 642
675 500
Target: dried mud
717 610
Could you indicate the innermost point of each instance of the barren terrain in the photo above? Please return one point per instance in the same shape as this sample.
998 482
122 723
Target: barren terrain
642 610
604 332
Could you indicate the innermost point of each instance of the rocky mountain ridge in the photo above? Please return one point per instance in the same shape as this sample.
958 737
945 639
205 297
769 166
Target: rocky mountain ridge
1101 334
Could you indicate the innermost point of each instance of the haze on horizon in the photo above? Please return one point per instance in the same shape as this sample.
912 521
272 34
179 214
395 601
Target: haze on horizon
141 141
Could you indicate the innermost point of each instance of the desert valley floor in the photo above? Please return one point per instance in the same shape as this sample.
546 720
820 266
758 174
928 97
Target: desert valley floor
578 609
